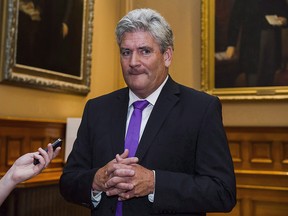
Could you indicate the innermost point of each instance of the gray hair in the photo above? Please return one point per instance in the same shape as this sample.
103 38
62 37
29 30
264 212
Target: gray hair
149 21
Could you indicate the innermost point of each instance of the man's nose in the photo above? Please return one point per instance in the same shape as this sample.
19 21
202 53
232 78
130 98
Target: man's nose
135 60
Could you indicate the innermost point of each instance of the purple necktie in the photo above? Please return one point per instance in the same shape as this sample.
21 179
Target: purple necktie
132 136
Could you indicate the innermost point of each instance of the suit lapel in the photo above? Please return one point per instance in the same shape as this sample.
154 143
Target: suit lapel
165 102
118 121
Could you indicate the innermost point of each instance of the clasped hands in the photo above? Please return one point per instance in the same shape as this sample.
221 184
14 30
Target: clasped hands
124 177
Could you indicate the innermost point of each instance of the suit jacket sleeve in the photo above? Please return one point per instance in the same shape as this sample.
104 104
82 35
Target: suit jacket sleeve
100 137
76 180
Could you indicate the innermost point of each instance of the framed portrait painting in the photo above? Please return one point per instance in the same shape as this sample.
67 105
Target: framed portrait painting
46 44
245 48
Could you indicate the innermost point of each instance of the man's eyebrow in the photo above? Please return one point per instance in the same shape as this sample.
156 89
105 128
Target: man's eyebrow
145 47
138 48
123 48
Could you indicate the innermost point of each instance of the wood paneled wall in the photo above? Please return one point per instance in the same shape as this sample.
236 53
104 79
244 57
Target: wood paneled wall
260 156
18 136
38 196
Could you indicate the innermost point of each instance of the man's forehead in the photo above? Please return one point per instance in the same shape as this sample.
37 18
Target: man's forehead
138 36
138 40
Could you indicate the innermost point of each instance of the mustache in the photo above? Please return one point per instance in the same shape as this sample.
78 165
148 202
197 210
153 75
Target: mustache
135 71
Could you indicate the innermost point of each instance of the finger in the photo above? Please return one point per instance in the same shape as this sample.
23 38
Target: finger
122 183
114 191
45 155
120 188
50 151
111 168
118 158
125 186
124 172
130 160
126 195
112 182
125 154
56 152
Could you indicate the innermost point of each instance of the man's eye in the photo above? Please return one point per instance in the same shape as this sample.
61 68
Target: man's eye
125 52
145 51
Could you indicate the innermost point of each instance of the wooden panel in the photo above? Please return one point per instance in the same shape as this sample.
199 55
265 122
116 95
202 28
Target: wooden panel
261 152
259 148
260 156
284 153
270 208
235 149
18 136
14 146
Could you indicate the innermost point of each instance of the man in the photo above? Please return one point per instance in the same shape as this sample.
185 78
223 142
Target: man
182 165
25 168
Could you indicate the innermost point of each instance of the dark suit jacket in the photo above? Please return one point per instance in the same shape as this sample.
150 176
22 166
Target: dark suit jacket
184 142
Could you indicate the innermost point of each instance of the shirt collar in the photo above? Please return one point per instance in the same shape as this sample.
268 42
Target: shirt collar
152 98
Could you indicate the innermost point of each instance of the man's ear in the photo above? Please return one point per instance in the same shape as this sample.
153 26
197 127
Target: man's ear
168 56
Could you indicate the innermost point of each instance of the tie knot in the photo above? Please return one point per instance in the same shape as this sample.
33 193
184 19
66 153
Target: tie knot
141 104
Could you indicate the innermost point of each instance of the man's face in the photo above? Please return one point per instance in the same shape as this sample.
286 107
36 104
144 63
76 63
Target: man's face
144 67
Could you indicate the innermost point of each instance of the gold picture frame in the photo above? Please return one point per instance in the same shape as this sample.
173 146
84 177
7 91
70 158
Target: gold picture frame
40 49
211 80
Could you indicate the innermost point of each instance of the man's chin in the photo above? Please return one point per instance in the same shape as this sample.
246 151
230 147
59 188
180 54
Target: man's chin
140 90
